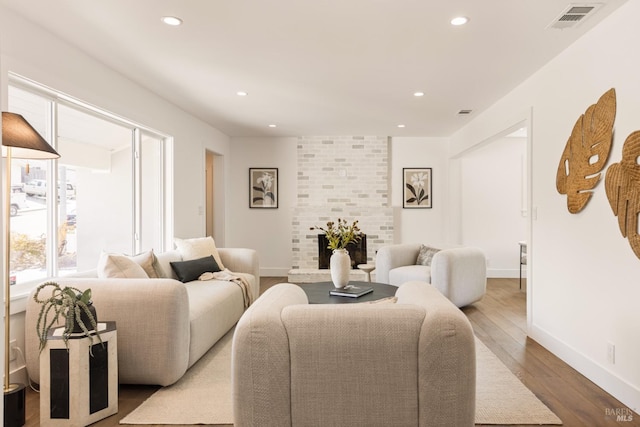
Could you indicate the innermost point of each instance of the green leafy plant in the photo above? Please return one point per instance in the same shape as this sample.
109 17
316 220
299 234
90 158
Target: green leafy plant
27 252
64 306
340 234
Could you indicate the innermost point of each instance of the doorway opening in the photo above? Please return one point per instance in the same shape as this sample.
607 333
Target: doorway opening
209 188
214 196
494 201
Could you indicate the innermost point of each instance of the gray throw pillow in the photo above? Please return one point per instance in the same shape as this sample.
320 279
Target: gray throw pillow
426 255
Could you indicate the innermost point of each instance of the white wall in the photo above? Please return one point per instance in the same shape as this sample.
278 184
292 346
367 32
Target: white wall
493 203
266 230
421 225
583 275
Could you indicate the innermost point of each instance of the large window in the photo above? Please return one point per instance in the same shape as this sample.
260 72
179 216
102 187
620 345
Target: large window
106 191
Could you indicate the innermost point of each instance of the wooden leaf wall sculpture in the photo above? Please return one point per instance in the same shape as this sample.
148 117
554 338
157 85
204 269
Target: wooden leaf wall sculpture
586 152
622 184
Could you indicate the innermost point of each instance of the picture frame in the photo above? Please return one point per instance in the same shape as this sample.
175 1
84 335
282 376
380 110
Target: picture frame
263 188
417 188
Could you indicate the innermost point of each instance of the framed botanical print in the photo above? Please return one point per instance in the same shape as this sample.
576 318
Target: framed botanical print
263 188
416 188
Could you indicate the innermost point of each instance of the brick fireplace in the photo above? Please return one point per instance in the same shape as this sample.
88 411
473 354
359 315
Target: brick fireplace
340 177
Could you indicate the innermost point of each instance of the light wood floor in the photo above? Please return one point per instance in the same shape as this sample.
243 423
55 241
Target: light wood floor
499 321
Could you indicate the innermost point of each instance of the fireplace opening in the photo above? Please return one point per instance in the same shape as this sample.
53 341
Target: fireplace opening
357 252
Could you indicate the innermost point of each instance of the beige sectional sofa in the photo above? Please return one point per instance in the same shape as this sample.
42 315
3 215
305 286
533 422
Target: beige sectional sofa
164 326
410 363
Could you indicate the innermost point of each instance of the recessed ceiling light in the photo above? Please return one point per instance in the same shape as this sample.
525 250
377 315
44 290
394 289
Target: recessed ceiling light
272 126
418 94
400 126
242 93
459 20
172 20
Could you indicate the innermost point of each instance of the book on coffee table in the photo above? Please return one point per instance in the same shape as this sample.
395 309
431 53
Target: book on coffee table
351 291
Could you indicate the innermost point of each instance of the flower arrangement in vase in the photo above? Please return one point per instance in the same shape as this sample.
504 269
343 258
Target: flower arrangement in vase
338 236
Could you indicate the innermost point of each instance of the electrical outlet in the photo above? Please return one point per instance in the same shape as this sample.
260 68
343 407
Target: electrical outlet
13 354
611 353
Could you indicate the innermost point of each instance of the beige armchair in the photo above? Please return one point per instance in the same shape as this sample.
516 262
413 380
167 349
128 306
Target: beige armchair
460 274
410 363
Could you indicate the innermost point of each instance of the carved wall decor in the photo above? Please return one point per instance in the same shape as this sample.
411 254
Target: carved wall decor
586 152
622 184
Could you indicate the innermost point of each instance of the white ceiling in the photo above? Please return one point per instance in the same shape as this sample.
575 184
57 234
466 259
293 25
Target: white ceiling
323 67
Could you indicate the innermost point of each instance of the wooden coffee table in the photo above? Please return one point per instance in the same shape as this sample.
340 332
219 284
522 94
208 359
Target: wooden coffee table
318 293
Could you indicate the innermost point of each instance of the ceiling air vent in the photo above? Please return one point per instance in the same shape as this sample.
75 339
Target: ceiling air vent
574 15
464 112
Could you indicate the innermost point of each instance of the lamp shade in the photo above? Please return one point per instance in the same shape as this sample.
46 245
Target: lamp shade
24 140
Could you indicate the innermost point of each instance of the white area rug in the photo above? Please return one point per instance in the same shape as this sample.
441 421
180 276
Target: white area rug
501 398
203 395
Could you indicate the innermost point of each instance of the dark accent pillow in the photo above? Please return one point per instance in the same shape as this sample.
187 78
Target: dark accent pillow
188 271
426 255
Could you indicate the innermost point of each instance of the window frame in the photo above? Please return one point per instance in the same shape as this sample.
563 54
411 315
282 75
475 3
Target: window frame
56 98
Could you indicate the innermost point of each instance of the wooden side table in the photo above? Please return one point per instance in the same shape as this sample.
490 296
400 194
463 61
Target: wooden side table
79 385
367 268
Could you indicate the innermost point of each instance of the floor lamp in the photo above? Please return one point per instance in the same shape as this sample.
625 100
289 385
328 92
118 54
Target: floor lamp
19 140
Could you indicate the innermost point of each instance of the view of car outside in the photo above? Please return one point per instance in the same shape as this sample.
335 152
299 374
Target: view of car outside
28 226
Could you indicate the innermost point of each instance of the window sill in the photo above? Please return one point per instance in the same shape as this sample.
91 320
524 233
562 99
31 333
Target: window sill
20 295
19 303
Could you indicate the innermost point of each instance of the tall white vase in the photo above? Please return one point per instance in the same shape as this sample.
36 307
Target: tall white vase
340 265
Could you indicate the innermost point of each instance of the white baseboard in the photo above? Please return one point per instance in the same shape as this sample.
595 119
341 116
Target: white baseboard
625 392
274 272
498 273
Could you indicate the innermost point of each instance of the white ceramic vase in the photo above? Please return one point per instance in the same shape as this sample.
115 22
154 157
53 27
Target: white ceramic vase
340 265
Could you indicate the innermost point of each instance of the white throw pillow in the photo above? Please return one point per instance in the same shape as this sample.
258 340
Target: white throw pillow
197 248
149 263
112 266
